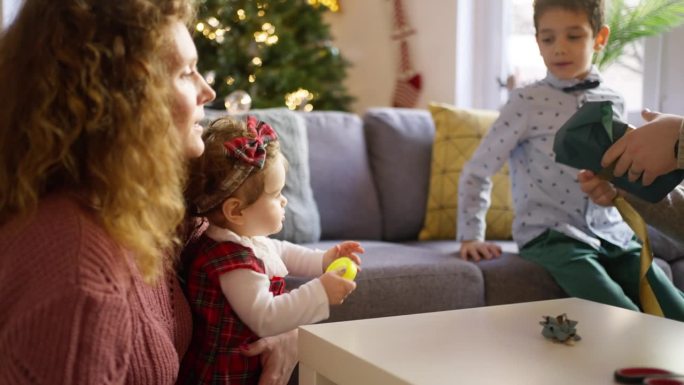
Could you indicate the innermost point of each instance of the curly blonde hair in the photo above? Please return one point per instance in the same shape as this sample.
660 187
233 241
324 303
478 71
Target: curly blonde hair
87 94
209 171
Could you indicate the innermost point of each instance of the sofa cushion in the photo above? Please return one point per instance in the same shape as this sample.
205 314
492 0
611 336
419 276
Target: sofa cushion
664 247
399 146
302 221
677 269
458 134
341 177
509 278
397 279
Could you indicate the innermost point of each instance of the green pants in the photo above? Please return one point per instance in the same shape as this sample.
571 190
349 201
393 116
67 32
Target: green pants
609 275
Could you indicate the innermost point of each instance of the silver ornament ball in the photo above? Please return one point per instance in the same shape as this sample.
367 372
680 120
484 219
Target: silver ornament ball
237 102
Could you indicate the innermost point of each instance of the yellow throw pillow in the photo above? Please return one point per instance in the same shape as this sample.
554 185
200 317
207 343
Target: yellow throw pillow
457 134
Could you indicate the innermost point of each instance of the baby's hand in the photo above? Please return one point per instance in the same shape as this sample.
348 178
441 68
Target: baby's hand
477 250
336 287
344 249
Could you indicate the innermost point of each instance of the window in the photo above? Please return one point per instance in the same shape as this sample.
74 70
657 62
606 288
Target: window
626 75
8 10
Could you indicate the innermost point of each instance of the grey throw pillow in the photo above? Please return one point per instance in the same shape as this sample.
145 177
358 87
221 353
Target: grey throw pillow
302 220
337 152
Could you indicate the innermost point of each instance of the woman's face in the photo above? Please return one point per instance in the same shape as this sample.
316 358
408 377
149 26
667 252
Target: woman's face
190 90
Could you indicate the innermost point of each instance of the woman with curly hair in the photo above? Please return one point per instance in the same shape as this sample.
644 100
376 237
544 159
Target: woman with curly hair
101 101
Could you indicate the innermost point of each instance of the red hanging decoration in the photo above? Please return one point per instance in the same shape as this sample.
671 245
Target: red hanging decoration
409 83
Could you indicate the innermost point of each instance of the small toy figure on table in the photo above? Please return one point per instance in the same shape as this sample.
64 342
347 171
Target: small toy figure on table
560 329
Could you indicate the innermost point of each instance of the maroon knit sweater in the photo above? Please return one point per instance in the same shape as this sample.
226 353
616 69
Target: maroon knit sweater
74 309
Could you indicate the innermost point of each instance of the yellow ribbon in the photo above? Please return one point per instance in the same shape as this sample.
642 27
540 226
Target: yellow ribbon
649 302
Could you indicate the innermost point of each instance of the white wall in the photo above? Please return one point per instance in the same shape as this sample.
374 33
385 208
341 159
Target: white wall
362 31
671 96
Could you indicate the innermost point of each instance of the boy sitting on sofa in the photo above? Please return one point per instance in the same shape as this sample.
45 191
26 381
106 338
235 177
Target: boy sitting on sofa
587 248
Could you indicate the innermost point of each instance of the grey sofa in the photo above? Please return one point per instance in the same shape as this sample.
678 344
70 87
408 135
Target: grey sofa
370 182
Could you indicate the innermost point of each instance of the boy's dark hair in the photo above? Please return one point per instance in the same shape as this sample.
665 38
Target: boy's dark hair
593 9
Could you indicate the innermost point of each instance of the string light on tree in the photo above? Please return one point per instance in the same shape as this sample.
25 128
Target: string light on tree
333 5
271 48
212 21
266 35
299 100
268 27
212 29
261 9
219 35
272 40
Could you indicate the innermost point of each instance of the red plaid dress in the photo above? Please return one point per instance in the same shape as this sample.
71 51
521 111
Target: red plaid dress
214 356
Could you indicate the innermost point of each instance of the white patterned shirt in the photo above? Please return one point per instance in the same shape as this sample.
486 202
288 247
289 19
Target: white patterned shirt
546 194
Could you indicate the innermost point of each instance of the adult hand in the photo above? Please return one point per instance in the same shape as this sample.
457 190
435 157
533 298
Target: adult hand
278 357
599 190
476 250
647 151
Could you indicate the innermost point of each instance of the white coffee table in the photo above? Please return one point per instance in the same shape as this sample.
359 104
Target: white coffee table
488 345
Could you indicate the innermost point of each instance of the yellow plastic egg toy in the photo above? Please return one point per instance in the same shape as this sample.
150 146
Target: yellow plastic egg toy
344 262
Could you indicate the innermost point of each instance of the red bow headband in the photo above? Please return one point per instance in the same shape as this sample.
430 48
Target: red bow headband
250 153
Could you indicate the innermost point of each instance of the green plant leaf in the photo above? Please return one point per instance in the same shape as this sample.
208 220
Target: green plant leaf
629 24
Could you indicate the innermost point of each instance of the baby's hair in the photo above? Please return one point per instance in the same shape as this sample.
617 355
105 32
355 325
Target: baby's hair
209 171
592 8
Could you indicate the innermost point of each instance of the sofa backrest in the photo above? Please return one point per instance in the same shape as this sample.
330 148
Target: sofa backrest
341 177
400 152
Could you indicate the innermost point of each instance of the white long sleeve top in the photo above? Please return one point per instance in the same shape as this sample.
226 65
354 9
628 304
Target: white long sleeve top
248 291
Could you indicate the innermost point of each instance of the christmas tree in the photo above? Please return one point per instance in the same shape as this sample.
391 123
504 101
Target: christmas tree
279 51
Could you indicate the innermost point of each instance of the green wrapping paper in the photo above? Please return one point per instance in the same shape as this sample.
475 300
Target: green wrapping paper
585 137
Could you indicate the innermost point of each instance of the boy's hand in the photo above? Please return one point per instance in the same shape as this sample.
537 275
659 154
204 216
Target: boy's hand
336 287
476 250
598 190
344 249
